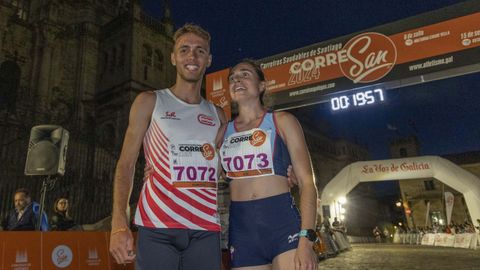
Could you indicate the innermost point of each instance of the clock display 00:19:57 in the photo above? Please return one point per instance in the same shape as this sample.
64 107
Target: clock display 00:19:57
357 99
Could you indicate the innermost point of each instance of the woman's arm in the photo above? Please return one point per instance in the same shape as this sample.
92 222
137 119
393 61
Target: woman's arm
291 132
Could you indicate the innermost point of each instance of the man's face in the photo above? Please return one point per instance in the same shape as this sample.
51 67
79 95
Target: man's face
21 201
191 56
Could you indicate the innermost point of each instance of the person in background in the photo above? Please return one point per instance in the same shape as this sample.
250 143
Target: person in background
326 224
61 219
266 230
335 223
24 216
386 234
377 233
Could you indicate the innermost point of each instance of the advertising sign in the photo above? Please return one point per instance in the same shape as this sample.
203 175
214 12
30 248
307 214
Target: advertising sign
449 200
57 250
445 42
217 90
20 251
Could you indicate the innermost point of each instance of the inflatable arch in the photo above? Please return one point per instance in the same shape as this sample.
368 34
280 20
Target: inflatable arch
405 168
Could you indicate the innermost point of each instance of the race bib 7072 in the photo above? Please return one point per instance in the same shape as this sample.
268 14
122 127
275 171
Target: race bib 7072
193 164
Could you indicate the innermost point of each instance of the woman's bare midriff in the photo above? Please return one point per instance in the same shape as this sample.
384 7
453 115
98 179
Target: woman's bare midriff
255 188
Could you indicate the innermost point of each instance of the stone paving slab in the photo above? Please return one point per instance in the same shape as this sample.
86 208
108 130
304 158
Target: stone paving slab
403 257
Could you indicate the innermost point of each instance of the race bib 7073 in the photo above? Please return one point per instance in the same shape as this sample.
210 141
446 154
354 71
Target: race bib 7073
247 154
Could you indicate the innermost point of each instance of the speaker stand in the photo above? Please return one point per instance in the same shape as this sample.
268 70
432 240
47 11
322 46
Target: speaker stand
48 184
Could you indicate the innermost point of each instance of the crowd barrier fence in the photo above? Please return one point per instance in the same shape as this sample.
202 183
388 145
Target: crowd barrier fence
461 240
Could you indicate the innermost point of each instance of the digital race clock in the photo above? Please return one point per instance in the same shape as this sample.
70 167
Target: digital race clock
357 99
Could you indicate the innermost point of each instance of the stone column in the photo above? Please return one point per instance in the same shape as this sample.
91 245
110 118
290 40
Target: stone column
46 35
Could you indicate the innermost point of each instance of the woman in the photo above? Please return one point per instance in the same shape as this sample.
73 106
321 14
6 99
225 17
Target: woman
61 220
265 228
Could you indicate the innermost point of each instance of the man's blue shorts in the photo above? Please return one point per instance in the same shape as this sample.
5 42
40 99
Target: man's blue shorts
174 249
262 229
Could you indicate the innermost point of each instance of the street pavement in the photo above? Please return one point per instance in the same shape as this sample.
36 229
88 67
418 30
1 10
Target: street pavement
403 257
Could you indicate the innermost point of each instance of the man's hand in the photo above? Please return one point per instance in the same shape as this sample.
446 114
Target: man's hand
291 177
121 246
147 171
305 257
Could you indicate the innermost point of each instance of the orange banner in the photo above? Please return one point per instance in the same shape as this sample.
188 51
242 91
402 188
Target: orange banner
304 75
217 90
20 250
56 250
370 56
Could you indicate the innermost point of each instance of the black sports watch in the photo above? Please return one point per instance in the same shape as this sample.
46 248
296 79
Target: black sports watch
310 234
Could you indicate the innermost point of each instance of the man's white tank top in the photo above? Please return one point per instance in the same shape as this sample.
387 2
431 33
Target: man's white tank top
180 146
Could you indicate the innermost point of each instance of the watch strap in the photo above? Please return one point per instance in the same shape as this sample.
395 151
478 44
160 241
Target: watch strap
310 234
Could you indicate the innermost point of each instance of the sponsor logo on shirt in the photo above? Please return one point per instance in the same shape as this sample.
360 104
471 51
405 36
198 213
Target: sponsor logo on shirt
292 238
170 115
190 148
239 139
207 151
206 120
258 138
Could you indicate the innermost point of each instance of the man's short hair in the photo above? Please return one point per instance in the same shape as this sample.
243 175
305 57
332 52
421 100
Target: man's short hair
194 29
24 191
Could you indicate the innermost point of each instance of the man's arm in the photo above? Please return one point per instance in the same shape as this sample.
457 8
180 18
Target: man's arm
291 131
221 129
219 138
121 240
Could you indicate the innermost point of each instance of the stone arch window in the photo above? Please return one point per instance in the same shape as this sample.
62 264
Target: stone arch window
147 60
23 8
158 60
10 74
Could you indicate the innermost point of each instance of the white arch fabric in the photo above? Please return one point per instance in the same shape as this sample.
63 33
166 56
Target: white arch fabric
405 168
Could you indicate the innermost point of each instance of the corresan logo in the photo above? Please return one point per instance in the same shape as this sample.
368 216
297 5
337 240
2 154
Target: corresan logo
208 151
62 256
370 56
258 138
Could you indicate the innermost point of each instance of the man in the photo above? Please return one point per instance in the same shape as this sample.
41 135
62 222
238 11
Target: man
25 215
177 210
336 223
386 234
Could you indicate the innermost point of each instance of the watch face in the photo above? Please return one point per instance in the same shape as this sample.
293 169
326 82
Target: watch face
311 235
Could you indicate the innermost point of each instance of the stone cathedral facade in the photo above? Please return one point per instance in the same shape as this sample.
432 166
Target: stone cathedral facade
78 64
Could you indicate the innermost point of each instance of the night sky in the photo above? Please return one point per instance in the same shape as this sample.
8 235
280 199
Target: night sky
443 114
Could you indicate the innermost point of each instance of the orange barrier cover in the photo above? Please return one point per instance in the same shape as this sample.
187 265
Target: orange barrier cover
56 250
